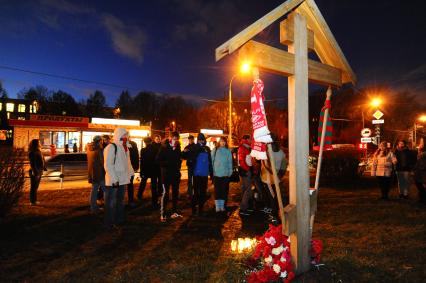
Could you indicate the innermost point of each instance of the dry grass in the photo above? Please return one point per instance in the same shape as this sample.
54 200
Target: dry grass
365 240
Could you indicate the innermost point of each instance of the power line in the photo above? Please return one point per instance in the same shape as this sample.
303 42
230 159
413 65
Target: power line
64 77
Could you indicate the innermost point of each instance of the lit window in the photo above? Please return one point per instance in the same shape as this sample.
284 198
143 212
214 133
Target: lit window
8 115
21 108
10 107
1 106
33 108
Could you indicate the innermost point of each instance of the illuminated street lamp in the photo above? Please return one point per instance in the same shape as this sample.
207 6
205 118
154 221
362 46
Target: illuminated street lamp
244 69
376 102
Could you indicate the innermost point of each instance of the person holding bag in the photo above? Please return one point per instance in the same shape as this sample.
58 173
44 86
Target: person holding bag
222 170
383 161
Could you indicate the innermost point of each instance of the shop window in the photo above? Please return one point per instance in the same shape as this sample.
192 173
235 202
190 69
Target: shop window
73 138
10 107
21 108
45 138
58 139
33 109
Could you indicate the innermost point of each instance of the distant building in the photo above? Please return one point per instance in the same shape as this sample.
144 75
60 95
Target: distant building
10 108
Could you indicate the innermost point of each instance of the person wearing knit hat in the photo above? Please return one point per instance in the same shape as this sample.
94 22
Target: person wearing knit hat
202 169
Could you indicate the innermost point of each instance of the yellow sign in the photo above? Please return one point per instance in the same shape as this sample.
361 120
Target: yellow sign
378 114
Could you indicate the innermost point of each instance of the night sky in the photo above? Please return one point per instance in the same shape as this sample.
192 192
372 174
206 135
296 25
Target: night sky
168 46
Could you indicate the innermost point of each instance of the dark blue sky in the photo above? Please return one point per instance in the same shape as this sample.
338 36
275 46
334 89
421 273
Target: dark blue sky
168 45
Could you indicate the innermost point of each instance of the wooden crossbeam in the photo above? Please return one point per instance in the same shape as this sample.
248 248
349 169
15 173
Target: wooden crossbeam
287 33
279 61
248 33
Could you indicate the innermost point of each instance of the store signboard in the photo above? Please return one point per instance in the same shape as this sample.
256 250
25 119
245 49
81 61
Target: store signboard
55 118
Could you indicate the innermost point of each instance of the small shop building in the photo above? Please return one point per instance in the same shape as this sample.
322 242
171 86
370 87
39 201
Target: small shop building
72 131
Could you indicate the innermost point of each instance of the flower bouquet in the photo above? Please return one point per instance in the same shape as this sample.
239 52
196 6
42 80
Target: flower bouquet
271 259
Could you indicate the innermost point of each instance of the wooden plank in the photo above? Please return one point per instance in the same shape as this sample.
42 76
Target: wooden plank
313 202
287 34
290 219
251 31
298 120
326 46
281 62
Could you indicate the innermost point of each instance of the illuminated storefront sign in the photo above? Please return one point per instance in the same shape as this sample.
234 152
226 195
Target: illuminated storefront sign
211 132
117 122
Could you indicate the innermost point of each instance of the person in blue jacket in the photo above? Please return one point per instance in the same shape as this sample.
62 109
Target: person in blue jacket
202 170
222 170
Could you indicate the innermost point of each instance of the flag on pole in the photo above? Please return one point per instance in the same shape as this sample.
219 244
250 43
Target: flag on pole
328 134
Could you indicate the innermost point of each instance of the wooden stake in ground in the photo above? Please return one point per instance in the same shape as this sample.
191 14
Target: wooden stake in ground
274 170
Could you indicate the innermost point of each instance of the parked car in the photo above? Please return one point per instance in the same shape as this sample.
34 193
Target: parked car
74 167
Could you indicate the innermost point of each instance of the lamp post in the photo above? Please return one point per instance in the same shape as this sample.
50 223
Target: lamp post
245 68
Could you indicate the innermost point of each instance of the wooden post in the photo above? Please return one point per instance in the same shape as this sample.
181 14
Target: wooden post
298 116
255 73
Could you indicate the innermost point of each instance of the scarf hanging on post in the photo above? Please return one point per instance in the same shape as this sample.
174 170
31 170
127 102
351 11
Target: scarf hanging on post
261 133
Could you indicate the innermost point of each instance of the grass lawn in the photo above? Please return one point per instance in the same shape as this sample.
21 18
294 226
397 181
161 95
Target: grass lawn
365 240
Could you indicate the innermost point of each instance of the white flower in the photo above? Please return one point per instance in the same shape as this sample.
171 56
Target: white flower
277 251
283 259
268 259
271 241
276 268
283 274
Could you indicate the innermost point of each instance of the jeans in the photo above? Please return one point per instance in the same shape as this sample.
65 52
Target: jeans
130 190
246 191
114 205
35 182
190 181
94 195
154 190
403 182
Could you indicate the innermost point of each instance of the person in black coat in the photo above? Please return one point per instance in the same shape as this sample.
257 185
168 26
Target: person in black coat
169 158
37 165
149 171
134 160
189 155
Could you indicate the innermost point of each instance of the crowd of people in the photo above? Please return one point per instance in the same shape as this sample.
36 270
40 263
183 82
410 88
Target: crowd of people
406 165
112 164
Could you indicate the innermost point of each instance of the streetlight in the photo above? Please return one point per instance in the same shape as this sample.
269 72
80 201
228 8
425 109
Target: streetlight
376 102
244 69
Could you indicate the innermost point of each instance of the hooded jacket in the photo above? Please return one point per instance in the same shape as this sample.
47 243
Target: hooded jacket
222 162
95 163
117 165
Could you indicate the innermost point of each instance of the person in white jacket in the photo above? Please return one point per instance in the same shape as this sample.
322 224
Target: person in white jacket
118 170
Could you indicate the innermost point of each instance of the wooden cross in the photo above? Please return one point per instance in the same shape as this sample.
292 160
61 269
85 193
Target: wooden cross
304 30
